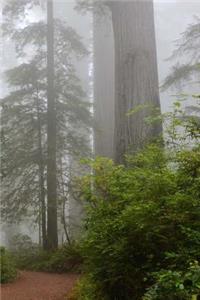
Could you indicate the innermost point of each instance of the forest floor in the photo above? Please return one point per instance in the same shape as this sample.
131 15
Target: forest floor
39 286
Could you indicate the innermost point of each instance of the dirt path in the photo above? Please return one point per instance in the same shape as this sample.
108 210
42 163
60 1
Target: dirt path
39 286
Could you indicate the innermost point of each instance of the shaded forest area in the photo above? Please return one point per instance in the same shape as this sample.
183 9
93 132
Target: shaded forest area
109 182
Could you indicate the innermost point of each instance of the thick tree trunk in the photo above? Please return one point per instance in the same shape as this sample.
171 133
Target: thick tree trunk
103 85
52 232
136 76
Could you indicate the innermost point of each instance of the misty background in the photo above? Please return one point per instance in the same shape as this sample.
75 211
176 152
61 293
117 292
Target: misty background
171 20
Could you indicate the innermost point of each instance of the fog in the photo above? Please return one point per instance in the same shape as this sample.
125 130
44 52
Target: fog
171 20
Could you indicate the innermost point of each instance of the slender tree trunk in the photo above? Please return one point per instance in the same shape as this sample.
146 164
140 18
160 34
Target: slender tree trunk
65 198
39 231
103 85
52 232
41 178
136 76
64 223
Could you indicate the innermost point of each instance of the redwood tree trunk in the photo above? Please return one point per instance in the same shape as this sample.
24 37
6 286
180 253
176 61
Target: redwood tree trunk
52 232
103 85
136 76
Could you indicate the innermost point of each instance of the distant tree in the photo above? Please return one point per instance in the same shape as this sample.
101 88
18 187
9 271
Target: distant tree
52 224
26 114
103 72
23 149
187 57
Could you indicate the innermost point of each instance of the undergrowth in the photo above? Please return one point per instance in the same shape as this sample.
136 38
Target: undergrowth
7 266
30 256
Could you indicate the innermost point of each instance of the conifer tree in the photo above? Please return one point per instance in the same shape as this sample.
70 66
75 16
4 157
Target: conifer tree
26 119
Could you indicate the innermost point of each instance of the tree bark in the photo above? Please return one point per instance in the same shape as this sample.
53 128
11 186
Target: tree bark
52 232
103 85
136 76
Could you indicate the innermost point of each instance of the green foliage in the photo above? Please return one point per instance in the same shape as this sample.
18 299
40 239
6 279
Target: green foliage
67 258
86 289
25 252
174 285
143 219
7 266
22 242
30 256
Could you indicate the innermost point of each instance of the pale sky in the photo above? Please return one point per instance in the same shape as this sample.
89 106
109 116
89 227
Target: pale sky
171 19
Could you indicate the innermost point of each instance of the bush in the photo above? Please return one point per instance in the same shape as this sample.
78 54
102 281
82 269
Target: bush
22 242
30 256
65 259
24 251
7 266
142 218
174 285
85 289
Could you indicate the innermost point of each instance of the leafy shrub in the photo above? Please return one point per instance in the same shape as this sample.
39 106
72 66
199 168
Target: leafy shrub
65 259
174 285
85 289
29 255
24 251
22 242
7 266
142 218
